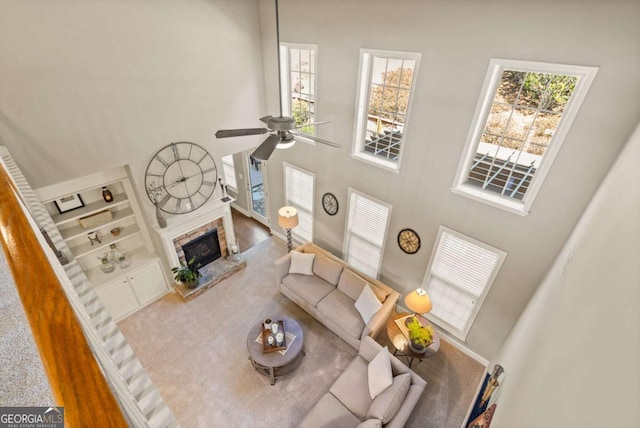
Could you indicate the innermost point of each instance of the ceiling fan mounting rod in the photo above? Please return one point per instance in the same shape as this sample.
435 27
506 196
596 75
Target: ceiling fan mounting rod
278 51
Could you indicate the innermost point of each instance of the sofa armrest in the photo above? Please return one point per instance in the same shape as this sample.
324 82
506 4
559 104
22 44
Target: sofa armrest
379 321
282 268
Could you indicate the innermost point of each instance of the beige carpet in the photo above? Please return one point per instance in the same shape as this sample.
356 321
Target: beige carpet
196 355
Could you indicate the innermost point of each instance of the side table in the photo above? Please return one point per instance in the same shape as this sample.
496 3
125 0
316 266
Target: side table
401 343
274 364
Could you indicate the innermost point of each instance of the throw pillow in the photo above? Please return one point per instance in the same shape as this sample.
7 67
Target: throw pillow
371 423
301 263
388 402
367 304
379 373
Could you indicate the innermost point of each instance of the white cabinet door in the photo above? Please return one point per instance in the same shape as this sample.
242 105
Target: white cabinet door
118 298
148 283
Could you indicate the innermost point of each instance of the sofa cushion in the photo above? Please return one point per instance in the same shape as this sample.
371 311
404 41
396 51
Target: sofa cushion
352 389
386 404
379 375
301 263
351 284
309 287
327 269
329 413
367 304
340 308
371 423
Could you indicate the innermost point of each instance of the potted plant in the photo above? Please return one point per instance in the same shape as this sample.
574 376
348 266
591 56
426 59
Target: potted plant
420 337
188 274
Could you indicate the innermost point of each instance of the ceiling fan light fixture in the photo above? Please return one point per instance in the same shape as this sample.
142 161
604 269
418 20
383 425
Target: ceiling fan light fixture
286 144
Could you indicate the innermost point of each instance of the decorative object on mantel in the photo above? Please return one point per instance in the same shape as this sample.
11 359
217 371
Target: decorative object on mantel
154 194
288 219
188 274
106 194
330 203
409 241
420 337
225 191
68 203
183 177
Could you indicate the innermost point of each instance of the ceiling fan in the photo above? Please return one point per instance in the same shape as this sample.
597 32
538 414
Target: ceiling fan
282 129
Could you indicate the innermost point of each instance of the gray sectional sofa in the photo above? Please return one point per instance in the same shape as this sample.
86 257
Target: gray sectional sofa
349 405
331 292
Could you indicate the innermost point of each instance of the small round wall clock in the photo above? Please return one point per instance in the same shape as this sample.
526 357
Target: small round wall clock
409 241
330 203
181 177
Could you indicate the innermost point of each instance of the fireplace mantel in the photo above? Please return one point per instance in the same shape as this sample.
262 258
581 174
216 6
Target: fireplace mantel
179 225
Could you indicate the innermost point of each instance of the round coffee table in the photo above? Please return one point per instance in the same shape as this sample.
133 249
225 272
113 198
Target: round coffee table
401 343
274 364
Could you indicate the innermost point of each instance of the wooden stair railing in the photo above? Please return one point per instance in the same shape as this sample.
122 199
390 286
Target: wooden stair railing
77 381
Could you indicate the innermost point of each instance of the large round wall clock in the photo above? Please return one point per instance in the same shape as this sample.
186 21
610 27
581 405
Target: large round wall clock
181 177
409 241
330 203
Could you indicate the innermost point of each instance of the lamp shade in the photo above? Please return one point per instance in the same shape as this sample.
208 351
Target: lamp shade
418 301
287 217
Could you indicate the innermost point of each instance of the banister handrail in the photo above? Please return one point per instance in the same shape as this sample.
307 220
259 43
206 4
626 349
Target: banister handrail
77 381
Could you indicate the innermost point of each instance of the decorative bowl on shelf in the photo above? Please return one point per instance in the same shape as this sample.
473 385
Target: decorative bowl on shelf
115 231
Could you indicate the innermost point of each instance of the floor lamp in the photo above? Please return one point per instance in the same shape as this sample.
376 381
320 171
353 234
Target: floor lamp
288 219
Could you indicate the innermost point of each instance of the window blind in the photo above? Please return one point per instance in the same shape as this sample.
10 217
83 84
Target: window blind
366 232
461 273
229 171
299 191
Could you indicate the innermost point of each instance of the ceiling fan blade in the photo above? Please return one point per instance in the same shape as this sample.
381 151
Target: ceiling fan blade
226 133
265 119
316 139
267 147
311 124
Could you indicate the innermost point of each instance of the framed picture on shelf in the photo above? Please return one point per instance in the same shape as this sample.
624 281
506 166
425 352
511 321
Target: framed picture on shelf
69 203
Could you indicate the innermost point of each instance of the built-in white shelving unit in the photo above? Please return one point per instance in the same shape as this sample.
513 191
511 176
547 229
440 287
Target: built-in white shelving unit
123 291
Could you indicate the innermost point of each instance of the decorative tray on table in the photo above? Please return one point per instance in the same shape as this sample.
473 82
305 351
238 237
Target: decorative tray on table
272 348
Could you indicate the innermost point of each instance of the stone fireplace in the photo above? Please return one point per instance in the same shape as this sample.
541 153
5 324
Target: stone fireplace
199 232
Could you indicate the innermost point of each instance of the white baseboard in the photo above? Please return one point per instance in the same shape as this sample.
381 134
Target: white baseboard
240 209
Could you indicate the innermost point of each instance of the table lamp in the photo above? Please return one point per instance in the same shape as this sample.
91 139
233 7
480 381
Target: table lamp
288 219
418 302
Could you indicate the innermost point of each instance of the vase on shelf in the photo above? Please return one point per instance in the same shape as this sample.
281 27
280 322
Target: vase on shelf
162 222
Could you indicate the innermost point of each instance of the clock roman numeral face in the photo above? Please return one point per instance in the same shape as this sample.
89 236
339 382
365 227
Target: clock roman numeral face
181 177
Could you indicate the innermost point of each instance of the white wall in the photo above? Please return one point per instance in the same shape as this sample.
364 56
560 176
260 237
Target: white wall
457 39
88 85
573 359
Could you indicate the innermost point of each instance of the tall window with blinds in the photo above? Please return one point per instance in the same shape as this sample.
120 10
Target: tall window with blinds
366 231
458 279
299 193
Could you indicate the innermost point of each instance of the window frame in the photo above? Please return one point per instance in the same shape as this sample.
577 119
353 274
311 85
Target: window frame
345 243
285 83
296 236
233 186
462 334
363 93
522 207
